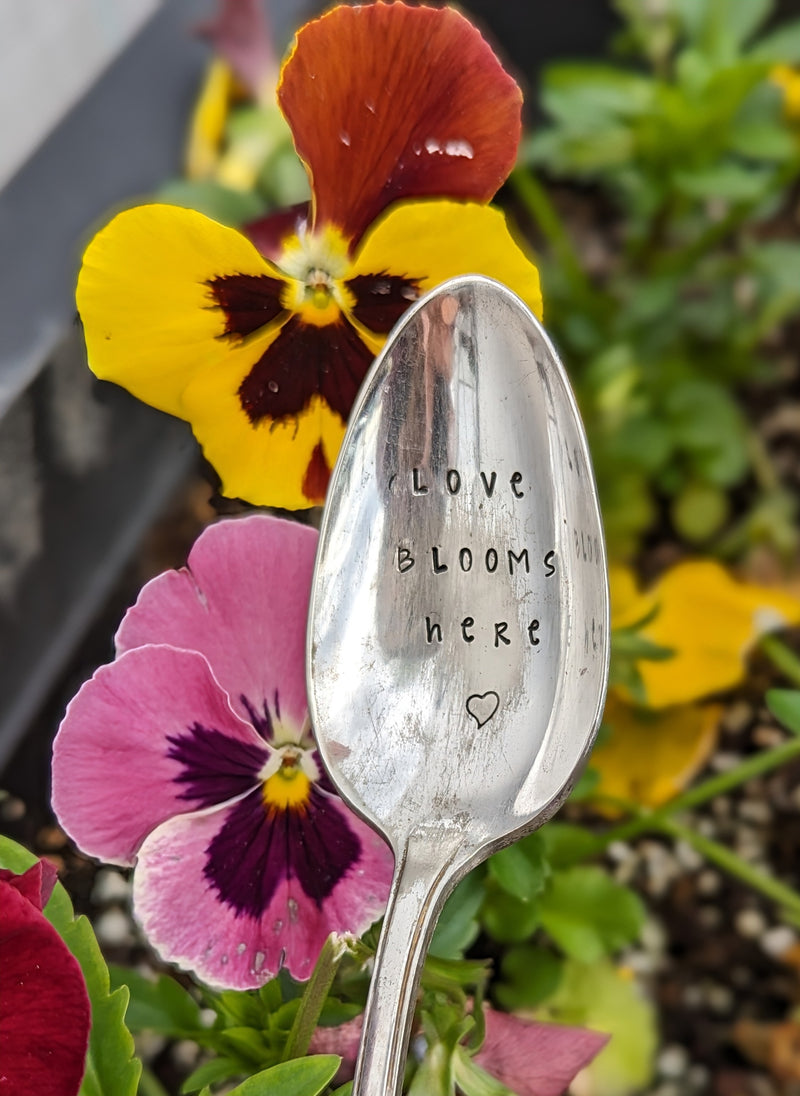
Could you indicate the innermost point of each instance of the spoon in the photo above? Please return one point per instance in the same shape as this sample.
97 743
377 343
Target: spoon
458 629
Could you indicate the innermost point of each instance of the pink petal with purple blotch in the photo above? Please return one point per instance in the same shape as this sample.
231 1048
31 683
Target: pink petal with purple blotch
200 915
149 736
242 601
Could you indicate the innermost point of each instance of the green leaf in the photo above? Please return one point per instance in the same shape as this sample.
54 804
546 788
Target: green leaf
588 914
699 511
567 844
507 919
521 869
229 207
110 1065
741 21
247 1042
530 974
210 1073
458 926
434 1077
160 1005
785 706
300 1077
729 181
474 1081
781 46
605 999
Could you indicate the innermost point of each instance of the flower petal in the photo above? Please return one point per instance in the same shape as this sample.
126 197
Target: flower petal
266 462
36 884
650 756
241 35
535 1059
44 1007
711 621
191 924
138 744
242 602
387 101
428 242
151 320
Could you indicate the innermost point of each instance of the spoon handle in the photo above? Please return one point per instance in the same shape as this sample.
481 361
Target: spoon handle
421 884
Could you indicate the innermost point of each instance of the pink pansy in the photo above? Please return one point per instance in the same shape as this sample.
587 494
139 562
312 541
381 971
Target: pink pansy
528 1057
191 756
44 1008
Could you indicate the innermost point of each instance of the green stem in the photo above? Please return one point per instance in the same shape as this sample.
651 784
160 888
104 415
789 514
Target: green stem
751 767
782 658
315 996
543 213
734 865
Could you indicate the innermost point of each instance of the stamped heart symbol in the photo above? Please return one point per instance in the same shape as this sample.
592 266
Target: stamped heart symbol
482 706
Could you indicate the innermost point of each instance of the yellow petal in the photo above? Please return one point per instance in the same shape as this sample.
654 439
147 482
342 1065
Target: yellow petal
431 241
711 621
628 604
207 126
648 757
149 320
266 463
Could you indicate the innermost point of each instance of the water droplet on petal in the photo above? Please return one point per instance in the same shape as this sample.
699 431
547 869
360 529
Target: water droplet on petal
432 146
370 106
277 926
459 148
344 137
258 962
273 386
293 910
241 949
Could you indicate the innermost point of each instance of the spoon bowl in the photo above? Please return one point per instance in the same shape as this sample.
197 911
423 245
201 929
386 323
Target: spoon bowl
458 629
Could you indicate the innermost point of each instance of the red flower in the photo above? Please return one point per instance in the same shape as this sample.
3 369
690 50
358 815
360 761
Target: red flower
44 1008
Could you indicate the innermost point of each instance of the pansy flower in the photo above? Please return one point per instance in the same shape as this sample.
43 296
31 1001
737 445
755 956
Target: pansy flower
407 125
44 1007
191 756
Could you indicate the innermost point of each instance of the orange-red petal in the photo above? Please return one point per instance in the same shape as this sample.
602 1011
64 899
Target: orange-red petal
387 101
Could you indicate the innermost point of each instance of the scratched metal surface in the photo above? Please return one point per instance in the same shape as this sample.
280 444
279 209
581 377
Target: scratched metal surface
460 617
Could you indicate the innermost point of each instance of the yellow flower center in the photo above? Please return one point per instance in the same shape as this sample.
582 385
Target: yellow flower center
288 777
317 264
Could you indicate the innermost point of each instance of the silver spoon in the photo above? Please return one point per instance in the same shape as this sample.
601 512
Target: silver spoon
458 630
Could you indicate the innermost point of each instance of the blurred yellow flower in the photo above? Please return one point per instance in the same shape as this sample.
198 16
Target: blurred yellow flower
787 79
651 756
709 620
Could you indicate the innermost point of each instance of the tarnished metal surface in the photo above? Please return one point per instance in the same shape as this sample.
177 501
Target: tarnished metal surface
458 636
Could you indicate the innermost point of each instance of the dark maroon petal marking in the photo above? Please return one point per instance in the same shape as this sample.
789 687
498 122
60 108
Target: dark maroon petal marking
249 301
216 767
262 723
256 848
317 477
381 299
268 233
302 361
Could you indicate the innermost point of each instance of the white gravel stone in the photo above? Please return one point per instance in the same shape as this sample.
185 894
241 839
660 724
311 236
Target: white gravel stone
721 807
755 810
620 853
697 1077
724 761
185 1053
693 997
113 927
736 717
709 882
750 923
719 998
710 917
688 858
778 940
110 886
673 1061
